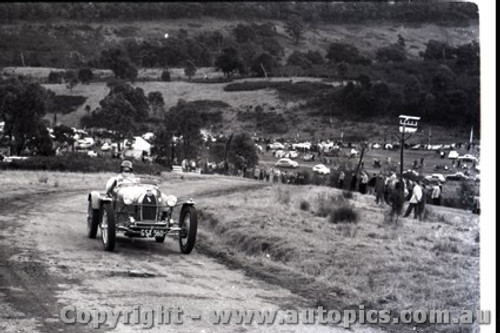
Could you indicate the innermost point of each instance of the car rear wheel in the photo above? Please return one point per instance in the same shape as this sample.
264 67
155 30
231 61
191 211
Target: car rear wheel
189 224
108 227
93 218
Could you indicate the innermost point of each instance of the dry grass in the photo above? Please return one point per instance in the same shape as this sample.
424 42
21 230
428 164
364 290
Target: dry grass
412 265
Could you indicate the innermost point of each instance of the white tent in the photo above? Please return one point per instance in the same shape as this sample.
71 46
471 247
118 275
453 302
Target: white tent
138 148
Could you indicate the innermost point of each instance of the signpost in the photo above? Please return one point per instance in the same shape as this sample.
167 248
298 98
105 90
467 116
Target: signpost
407 124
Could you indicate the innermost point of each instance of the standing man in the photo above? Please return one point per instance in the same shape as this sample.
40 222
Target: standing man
436 194
416 198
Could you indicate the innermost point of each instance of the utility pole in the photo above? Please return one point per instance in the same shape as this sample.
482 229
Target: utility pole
407 124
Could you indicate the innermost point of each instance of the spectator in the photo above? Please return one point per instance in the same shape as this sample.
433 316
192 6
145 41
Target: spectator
371 184
364 183
415 199
436 194
380 188
341 179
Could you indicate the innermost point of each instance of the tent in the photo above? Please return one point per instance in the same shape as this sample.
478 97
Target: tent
137 149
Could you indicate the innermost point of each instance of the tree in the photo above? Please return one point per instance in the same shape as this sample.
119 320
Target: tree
242 151
190 69
165 75
22 106
229 61
263 65
244 33
295 27
437 50
55 77
155 99
184 121
124 110
119 62
162 146
342 52
71 79
85 75
299 59
391 53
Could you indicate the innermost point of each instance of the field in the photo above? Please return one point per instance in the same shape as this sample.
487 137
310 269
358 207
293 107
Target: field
288 238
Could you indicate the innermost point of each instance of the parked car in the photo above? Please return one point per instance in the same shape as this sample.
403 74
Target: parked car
292 154
279 153
321 169
307 157
453 154
276 146
468 158
436 176
287 163
457 176
140 209
106 147
91 153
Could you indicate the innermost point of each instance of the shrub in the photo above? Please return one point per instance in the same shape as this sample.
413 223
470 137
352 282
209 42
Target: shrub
55 77
43 179
347 194
305 205
165 76
344 214
326 202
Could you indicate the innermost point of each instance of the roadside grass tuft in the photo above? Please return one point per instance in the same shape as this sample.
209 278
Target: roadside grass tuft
344 214
326 202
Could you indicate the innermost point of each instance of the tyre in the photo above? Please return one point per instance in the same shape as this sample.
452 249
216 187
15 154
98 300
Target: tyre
93 220
108 227
188 222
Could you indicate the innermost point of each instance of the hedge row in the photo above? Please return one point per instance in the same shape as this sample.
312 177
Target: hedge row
73 163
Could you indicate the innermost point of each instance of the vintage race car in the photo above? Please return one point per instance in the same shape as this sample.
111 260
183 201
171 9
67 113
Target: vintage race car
141 210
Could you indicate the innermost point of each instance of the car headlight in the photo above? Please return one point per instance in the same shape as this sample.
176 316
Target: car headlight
171 200
128 199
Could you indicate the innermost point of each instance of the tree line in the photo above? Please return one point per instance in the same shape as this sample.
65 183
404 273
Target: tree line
313 12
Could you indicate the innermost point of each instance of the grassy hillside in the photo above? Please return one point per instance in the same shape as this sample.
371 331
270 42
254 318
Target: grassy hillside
289 237
63 40
65 43
298 117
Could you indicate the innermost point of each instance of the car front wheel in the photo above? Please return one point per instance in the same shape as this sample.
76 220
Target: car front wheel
93 220
189 224
108 227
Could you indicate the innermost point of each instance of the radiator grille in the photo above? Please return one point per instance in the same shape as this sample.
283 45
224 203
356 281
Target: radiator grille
149 207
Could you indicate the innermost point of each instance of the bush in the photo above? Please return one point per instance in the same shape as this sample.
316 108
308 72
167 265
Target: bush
165 76
305 205
55 77
347 194
344 214
326 203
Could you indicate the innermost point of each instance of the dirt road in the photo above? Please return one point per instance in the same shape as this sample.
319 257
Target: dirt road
48 264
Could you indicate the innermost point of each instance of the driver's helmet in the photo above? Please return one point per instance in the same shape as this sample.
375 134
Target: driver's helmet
126 166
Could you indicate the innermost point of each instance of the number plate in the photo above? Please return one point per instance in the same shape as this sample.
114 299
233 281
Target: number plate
152 233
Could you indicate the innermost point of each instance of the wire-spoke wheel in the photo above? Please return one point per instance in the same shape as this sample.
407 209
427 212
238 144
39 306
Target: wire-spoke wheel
188 222
108 228
93 217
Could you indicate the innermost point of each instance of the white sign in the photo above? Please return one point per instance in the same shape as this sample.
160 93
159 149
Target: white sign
408 124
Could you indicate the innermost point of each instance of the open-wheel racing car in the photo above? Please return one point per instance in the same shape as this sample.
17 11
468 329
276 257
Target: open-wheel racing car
141 210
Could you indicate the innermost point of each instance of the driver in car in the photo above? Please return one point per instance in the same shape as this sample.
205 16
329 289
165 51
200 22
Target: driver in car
124 177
